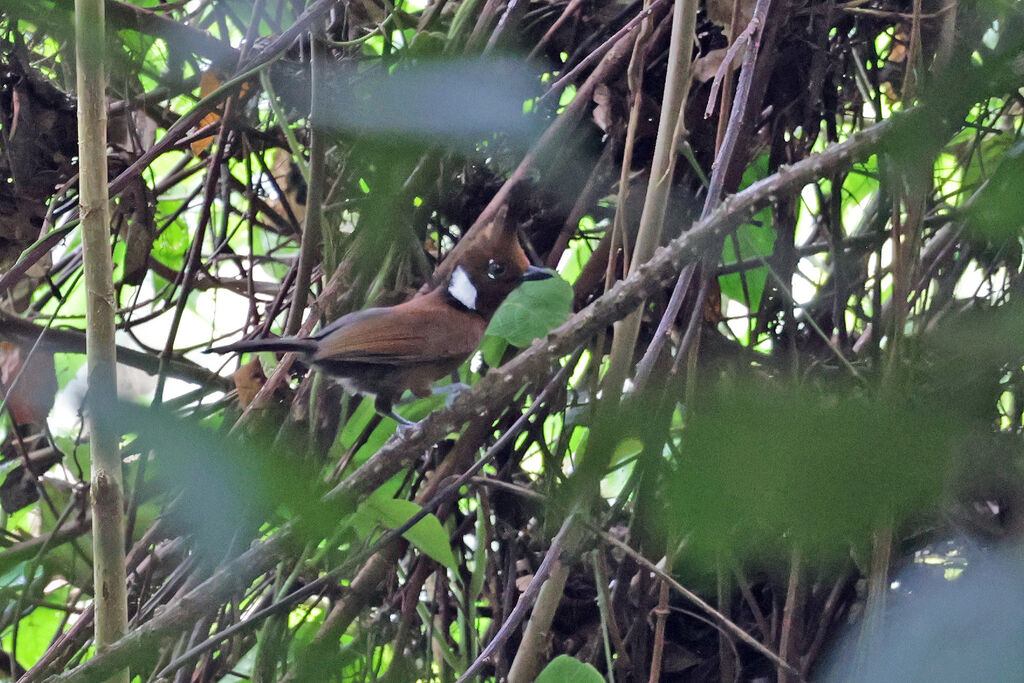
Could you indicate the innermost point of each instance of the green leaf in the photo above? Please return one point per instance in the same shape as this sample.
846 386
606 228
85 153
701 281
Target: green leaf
627 448
428 44
13 575
532 311
493 349
66 366
754 241
428 535
756 238
566 668
170 245
37 629
6 467
579 251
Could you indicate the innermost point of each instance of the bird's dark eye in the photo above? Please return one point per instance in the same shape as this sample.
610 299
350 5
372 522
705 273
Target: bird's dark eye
495 270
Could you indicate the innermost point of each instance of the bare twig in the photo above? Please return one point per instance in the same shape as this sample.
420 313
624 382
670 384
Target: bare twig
792 621
540 578
719 618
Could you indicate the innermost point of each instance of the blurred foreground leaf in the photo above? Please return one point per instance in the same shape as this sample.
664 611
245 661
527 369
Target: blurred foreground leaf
762 463
456 102
226 488
995 213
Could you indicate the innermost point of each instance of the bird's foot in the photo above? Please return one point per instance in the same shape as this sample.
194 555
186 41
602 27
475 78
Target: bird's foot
406 428
408 431
450 392
386 408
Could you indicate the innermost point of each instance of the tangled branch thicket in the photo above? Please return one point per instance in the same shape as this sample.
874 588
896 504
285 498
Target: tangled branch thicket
707 472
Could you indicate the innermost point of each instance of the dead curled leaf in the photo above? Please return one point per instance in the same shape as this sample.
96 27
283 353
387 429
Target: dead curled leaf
209 82
249 379
602 111
704 68
32 396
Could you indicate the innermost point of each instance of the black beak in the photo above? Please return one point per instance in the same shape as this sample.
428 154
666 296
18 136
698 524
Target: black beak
535 273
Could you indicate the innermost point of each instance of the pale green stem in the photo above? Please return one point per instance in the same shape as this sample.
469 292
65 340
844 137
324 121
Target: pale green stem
107 489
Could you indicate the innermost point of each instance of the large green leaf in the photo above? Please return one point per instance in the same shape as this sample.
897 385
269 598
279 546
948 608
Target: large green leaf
428 535
532 311
565 668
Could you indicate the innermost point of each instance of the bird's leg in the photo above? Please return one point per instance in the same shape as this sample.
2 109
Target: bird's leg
385 407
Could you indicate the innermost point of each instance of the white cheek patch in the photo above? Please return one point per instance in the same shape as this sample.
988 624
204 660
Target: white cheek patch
462 289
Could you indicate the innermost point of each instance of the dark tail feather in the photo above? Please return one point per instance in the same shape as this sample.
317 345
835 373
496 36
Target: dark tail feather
285 345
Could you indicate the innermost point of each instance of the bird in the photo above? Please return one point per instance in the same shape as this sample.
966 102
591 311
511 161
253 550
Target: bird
384 351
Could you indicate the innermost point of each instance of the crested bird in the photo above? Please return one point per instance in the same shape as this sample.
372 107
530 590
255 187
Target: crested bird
384 351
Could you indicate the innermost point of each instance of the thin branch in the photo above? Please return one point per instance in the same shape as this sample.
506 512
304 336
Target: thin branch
25 333
526 600
312 241
652 219
717 616
570 76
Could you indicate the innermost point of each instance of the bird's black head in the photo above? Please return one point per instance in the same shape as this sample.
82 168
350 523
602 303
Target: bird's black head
485 273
